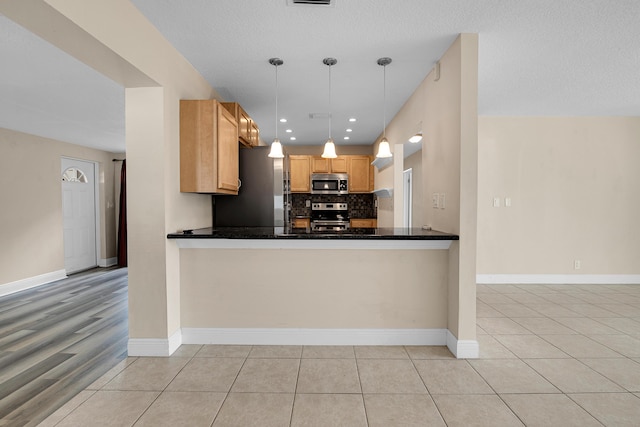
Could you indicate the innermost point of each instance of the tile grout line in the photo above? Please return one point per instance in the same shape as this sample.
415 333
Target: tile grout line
231 386
426 387
295 390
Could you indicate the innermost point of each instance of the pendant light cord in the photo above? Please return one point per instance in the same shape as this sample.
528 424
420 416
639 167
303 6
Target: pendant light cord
276 102
384 102
330 114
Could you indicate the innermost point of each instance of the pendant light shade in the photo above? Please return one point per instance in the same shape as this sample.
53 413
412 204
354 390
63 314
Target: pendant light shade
384 150
276 147
276 150
329 151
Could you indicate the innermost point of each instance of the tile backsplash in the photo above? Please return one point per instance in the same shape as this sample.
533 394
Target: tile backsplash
360 205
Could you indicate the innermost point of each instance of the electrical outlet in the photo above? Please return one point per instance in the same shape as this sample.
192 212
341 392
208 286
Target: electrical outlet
442 200
307 203
435 200
507 202
577 264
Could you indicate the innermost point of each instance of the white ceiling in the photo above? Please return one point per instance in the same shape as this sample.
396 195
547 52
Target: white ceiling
537 57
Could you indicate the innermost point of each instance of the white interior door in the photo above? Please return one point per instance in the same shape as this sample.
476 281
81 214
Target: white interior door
407 177
79 215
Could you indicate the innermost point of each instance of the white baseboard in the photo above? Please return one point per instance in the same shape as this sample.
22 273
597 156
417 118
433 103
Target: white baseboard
158 347
107 262
32 282
154 347
286 336
558 279
463 349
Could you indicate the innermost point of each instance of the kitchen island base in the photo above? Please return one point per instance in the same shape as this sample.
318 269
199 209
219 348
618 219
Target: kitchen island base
236 291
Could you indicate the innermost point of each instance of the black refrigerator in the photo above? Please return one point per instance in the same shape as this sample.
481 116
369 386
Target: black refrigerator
263 199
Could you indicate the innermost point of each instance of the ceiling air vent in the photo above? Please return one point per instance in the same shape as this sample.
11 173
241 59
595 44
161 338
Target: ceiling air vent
330 3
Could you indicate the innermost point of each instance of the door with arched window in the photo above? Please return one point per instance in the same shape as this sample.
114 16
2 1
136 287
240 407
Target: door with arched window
79 214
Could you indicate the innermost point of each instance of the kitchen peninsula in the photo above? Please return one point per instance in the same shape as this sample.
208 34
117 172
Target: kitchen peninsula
265 285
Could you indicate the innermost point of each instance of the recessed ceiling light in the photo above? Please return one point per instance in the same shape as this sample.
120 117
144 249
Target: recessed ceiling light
283 120
346 137
288 131
349 130
352 119
293 138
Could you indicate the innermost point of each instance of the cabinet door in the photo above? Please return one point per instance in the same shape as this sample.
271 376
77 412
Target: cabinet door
228 156
360 174
244 126
339 165
320 165
208 148
299 174
255 134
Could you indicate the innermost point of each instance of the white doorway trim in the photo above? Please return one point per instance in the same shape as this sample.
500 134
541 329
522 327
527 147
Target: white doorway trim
96 199
407 199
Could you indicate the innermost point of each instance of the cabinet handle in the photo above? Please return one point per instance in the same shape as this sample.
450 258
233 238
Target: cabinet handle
239 183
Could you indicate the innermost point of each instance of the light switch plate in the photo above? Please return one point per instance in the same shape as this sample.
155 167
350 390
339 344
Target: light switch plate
435 200
442 201
496 202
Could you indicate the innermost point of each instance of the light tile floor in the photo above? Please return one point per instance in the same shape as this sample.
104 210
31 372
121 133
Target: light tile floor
561 355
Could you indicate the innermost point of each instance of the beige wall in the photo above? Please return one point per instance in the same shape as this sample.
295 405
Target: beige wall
377 289
573 182
31 214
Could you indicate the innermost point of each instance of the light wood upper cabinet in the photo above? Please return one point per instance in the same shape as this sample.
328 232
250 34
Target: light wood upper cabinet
208 148
339 165
360 173
248 132
300 173
321 165
255 134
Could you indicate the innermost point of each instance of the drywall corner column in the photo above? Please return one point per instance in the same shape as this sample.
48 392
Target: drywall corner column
149 307
450 167
468 186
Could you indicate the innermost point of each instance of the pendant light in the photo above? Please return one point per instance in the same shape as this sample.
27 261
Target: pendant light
383 148
329 147
276 147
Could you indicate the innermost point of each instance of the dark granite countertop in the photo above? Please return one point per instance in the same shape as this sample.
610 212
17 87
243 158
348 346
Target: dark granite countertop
301 233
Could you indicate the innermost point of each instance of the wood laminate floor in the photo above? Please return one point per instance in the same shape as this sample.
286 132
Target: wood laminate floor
57 339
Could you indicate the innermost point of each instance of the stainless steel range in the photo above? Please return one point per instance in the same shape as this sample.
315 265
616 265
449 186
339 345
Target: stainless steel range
329 216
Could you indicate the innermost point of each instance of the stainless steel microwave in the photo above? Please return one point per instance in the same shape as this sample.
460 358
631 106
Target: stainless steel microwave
329 183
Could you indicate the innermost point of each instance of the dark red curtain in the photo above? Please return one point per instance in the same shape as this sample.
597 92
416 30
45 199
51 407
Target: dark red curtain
122 218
